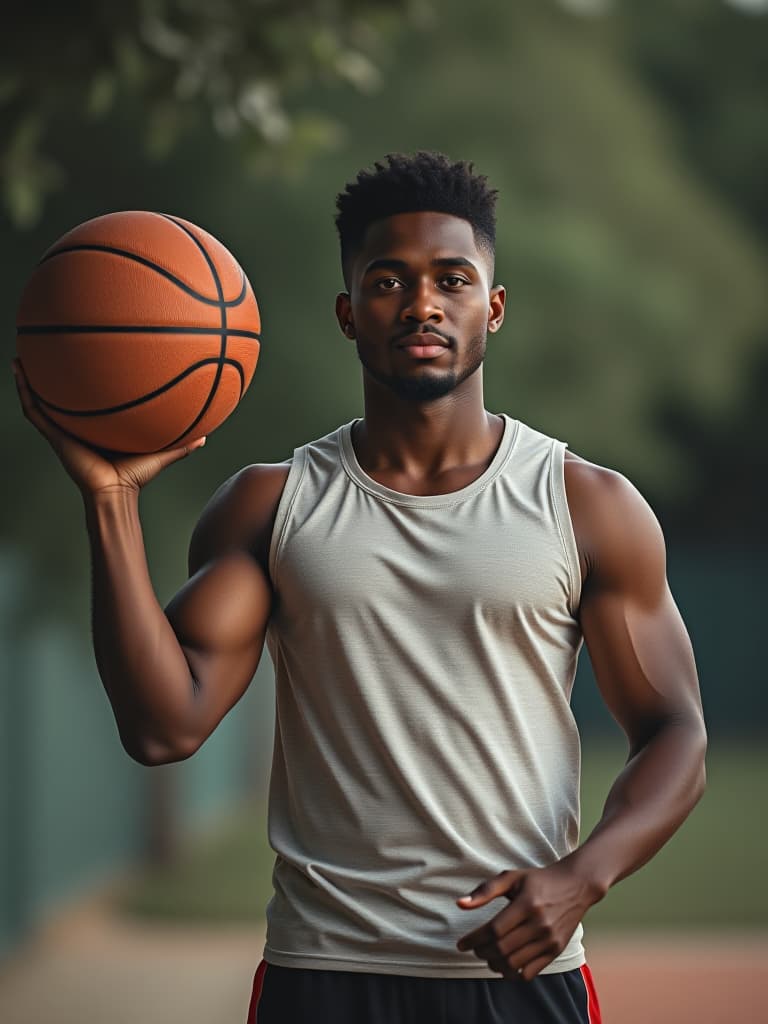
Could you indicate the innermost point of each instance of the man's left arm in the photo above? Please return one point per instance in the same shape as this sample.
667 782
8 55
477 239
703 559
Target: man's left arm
645 669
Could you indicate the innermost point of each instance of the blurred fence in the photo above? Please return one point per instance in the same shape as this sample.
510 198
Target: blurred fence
75 810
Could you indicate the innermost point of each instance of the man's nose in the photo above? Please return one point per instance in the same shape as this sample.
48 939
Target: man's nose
423 305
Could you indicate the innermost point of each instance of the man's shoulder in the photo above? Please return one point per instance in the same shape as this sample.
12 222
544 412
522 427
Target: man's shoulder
603 490
613 523
598 488
240 514
259 485
254 482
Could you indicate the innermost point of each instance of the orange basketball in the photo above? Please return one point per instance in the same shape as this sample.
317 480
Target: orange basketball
138 331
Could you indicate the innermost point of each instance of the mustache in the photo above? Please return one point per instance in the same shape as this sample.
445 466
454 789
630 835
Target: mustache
424 330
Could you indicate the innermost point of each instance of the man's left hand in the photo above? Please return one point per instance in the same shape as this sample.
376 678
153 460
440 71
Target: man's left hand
545 907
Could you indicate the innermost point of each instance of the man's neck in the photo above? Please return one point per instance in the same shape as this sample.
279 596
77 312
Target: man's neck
426 447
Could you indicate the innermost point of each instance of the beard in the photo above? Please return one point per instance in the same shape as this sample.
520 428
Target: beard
429 386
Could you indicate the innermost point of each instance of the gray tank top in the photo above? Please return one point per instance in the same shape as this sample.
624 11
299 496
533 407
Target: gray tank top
424 651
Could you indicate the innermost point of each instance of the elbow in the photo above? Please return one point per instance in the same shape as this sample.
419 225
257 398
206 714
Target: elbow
698 760
151 752
702 779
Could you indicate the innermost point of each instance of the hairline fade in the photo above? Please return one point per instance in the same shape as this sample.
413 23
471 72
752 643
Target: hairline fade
423 181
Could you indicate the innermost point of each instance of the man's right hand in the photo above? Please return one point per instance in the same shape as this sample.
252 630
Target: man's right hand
92 472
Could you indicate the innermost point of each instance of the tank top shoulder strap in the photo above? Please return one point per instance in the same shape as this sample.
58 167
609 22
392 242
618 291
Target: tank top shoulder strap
562 514
287 498
539 457
320 456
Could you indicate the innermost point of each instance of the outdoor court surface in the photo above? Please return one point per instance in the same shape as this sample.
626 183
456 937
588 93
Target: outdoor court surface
88 967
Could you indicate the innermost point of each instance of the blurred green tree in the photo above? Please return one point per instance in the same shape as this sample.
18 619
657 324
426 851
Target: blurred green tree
707 63
234 63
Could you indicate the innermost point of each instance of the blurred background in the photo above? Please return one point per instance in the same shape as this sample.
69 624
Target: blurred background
629 143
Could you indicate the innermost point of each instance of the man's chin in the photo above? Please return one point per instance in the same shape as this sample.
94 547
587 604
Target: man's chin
426 383
426 387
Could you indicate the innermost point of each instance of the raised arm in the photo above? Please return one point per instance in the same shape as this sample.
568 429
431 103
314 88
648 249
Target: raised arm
646 673
220 615
171 676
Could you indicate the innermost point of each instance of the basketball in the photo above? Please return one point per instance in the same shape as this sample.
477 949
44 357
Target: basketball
137 332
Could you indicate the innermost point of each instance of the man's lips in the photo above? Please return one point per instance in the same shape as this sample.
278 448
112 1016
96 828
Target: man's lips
423 346
423 340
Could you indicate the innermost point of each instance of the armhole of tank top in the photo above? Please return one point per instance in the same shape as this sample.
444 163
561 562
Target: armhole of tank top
564 521
284 507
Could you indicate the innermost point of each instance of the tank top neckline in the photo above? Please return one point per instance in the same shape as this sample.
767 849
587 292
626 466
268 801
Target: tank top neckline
358 475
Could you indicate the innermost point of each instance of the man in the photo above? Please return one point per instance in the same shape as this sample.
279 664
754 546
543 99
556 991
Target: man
426 575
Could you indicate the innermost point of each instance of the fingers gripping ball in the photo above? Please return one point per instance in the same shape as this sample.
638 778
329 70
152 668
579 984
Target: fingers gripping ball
138 332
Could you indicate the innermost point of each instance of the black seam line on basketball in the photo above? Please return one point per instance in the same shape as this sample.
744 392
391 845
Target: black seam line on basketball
217 280
223 312
235 332
148 397
113 251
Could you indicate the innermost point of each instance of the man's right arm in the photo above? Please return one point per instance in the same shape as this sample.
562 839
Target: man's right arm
172 676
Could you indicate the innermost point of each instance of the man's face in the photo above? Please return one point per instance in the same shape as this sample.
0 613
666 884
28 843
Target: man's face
420 303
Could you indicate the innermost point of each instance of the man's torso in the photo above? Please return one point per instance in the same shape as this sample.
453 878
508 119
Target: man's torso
424 649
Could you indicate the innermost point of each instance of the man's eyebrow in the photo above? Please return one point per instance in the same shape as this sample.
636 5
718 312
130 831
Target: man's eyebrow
453 261
386 264
390 263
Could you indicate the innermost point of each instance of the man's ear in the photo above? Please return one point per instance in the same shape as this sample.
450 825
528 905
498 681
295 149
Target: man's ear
496 305
344 314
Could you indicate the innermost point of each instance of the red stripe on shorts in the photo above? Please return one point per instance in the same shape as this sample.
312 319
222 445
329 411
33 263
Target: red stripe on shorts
258 982
593 1007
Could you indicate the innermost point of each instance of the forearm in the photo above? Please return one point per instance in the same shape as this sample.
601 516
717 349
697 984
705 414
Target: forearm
140 661
660 785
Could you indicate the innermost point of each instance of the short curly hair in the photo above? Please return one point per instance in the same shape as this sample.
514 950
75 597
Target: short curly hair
410 183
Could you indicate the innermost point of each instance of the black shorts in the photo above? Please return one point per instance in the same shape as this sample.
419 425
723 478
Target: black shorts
292 995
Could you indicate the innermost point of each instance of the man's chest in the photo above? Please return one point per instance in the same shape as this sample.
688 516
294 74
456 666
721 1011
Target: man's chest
444 565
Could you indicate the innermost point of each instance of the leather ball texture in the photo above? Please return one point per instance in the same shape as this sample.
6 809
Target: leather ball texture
138 332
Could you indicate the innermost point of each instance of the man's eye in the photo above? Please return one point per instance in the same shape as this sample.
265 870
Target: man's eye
387 284
454 281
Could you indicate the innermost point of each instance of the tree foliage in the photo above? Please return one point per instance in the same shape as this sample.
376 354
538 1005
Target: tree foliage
706 63
234 63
